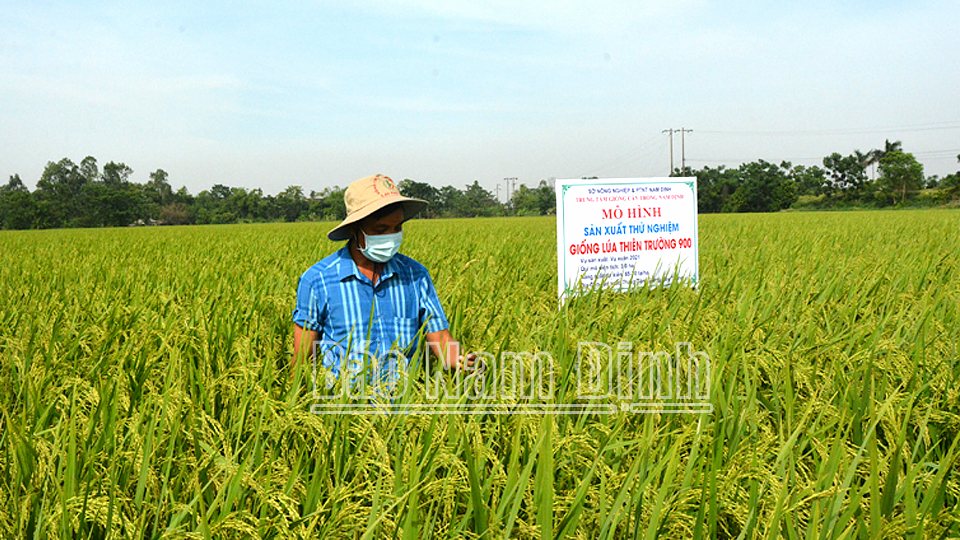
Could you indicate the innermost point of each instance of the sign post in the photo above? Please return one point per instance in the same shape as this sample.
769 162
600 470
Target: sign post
623 233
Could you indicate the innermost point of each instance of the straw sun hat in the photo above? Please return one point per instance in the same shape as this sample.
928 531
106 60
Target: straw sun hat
366 196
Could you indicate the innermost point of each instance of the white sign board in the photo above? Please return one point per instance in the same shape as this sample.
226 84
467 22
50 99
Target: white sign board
620 233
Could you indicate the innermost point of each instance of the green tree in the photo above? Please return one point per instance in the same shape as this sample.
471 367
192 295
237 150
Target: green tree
111 205
17 206
115 174
546 198
292 203
211 206
246 205
950 186
765 187
334 206
158 188
809 180
423 191
900 172
873 157
715 187
220 192
89 169
58 194
183 196
477 201
450 201
175 214
538 201
846 176
524 201
114 201
14 185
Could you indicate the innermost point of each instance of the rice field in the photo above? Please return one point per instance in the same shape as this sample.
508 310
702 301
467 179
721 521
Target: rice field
146 389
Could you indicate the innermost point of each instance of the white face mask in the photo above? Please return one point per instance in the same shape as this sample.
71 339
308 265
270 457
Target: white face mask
381 247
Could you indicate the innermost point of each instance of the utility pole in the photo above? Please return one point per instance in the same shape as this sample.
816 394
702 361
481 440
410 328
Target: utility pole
670 131
498 191
683 151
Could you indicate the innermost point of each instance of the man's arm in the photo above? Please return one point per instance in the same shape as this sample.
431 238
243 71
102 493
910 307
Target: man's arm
303 343
447 349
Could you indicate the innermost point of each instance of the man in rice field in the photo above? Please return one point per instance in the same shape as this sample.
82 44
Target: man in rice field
367 301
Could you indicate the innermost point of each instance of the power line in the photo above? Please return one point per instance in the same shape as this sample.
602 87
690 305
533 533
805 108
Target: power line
647 148
938 126
948 153
646 155
625 158
724 161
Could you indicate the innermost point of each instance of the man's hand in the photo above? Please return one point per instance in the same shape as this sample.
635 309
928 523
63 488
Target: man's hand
447 349
471 362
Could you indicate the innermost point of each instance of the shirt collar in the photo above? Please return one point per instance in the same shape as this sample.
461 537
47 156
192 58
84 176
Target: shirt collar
349 268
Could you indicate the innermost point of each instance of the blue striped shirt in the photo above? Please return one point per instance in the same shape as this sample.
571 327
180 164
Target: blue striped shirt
355 318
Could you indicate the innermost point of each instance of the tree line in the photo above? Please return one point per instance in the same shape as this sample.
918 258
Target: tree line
86 195
879 178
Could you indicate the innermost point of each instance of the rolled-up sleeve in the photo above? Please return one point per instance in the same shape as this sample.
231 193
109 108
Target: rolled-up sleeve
431 312
310 307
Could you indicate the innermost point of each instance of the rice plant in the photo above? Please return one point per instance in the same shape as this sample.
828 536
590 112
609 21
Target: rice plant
146 389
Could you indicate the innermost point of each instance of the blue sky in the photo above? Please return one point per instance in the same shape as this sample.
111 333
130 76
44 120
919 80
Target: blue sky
316 94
